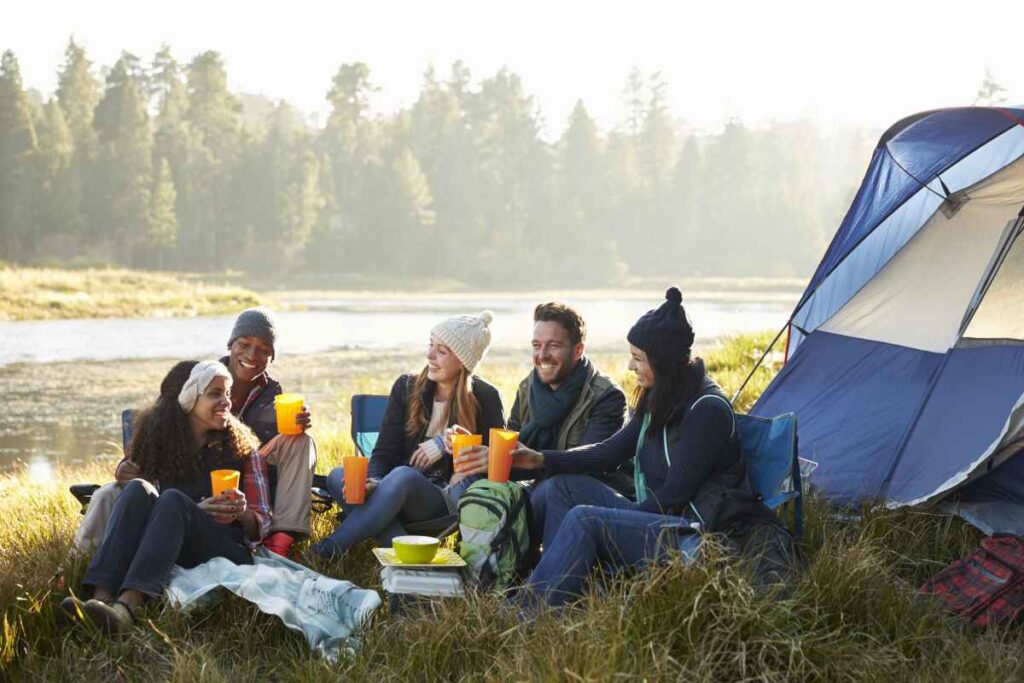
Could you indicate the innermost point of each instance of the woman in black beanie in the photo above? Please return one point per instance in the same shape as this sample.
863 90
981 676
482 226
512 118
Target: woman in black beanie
683 437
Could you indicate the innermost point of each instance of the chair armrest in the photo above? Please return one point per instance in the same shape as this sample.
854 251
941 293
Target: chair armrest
781 498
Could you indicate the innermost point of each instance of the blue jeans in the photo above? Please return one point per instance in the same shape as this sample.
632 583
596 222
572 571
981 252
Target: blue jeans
403 495
553 498
149 532
614 538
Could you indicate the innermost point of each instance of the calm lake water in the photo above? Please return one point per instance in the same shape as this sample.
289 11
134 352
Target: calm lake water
65 382
348 324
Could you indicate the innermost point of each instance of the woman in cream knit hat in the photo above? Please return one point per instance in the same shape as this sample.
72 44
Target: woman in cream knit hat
411 478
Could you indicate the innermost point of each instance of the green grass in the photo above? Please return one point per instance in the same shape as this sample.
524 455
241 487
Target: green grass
40 293
852 616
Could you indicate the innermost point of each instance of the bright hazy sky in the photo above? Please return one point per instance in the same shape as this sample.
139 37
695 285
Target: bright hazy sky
866 62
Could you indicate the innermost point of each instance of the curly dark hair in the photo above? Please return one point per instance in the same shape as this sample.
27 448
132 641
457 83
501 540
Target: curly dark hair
162 445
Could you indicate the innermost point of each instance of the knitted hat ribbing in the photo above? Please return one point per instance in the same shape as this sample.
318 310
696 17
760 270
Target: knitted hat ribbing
256 322
666 330
468 336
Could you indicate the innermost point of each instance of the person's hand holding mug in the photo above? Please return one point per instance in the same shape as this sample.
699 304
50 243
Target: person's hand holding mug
471 460
527 459
226 507
371 484
451 431
303 419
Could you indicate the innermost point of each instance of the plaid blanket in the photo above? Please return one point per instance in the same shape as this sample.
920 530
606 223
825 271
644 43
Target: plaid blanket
987 587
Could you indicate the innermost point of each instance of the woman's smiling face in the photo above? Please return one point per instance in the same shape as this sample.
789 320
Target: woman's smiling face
641 367
213 406
442 365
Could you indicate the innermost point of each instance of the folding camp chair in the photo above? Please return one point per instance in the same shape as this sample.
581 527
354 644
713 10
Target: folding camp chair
83 492
367 416
773 468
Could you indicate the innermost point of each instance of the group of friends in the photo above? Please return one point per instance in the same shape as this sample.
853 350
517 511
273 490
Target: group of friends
607 486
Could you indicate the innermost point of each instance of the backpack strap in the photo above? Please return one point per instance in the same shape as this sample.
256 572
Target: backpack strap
727 405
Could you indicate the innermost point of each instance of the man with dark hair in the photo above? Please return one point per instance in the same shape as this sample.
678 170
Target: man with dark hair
565 402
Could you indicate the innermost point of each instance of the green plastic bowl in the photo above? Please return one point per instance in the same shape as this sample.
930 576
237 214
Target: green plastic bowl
415 549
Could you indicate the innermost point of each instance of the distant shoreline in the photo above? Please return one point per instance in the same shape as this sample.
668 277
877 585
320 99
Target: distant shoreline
60 294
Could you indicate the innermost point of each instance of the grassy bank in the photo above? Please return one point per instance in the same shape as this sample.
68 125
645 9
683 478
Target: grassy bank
853 615
46 294
53 293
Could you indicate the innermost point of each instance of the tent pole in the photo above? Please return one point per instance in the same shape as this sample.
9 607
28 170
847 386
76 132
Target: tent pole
761 360
990 276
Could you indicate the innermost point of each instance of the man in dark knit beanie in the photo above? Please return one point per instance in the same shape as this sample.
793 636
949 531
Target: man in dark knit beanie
256 322
251 349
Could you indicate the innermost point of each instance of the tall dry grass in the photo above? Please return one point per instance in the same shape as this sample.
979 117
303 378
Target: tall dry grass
50 293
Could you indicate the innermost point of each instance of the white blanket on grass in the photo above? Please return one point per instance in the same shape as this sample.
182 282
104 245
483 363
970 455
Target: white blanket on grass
326 611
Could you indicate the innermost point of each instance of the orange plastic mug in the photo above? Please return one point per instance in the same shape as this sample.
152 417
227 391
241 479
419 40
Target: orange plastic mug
355 469
499 454
223 480
288 406
460 441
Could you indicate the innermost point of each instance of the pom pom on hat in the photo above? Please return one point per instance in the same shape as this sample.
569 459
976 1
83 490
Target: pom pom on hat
468 336
665 330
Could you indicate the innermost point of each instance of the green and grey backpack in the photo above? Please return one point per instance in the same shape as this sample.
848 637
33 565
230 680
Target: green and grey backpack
494 523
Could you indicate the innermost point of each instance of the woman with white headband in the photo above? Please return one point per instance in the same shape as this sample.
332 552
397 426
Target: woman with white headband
168 516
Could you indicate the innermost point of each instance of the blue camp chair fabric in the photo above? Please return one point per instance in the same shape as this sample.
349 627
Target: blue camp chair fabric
769 448
367 416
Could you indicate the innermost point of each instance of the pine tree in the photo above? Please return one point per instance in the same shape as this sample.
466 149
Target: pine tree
442 141
283 186
78 93
657 140
209 220
409 217
171 140
125 162
350 143
685 206
58 209
18 155
586 253
163 219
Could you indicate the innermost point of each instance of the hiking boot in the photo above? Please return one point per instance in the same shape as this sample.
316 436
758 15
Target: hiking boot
116 617
279 542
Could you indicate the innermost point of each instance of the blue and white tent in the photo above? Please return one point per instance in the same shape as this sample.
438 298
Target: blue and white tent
905 361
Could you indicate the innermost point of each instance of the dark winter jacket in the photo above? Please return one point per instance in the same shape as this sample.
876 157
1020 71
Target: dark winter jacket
703 448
